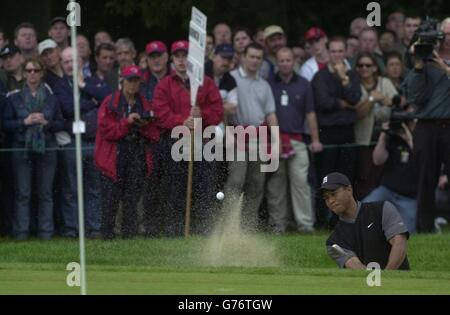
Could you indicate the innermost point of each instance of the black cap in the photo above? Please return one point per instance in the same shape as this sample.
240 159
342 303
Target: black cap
57 20
335 181
9 50
224 50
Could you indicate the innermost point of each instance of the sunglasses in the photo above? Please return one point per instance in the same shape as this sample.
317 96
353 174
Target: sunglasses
33 70
364 65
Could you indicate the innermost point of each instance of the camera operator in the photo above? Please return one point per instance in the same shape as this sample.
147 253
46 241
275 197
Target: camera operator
428 87
394 150
122 154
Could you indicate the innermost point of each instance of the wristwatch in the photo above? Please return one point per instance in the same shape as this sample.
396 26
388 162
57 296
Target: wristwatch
371 99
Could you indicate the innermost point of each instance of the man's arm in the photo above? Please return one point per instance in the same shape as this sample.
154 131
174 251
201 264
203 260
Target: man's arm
417 85
396 233
380 154
272 120
316 146
354 263
352 91
344 258
398 252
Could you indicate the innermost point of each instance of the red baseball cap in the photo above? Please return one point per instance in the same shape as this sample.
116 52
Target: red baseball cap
315 33
156 47
180 45
130 72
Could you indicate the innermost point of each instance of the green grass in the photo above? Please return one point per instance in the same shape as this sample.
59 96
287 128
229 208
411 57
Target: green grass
174 267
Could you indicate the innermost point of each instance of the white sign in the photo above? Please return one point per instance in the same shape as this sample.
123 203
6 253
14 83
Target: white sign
197 51
199 18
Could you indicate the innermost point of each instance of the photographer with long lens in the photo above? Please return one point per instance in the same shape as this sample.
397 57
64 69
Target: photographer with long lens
126 127
394 151
428 87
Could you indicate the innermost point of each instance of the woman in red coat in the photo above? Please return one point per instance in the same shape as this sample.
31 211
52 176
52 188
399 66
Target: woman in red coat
122 151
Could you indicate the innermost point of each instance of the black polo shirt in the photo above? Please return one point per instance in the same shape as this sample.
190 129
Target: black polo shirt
367 237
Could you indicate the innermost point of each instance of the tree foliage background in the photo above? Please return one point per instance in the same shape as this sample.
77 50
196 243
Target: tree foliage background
167 20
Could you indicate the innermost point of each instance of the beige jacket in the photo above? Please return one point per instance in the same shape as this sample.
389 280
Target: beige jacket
364 126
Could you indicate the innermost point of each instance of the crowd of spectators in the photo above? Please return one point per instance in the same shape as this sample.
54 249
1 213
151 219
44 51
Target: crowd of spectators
324 92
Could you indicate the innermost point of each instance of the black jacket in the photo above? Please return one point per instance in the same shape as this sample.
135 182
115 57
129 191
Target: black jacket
328 91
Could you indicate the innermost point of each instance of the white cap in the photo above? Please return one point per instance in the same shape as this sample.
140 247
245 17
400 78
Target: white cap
46 44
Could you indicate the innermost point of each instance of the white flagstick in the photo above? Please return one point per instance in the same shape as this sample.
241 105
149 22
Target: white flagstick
78 129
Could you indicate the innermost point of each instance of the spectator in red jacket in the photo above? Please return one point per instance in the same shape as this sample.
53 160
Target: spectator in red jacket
173 108
122 151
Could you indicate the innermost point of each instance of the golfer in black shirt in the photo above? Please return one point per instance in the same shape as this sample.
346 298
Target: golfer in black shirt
366 232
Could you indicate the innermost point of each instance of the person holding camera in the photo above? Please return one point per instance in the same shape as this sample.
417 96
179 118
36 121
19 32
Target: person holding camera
122 152
394 151
428 87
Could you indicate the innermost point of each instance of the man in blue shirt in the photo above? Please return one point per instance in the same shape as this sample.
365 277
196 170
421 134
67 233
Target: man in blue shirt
294 101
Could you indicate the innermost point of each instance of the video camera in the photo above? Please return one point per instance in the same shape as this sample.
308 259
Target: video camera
427 38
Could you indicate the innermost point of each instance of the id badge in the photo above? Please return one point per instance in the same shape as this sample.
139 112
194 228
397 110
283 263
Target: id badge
284 100
405 157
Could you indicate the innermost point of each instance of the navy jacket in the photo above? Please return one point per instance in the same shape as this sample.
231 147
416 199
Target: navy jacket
15 113
328 91
64 93
97 88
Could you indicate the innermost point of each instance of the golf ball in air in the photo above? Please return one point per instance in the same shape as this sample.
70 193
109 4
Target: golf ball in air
220 196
